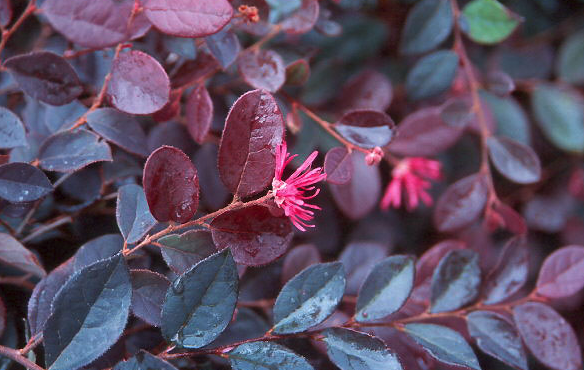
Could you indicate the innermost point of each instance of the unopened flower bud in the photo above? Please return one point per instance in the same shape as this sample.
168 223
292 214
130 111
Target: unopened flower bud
374 157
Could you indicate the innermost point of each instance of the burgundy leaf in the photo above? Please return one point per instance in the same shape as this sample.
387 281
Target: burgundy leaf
119 128
45 76
562 273
5 15
199 113
366 128
338 166
462 203
255 236
548 336
193 70
213 193
357 198
297 72
171 185
139 84
358 259
298 259
302 20
253 129
367 90
427 263
183 251
424 133
15 254
170 109
21 182
172 134
516 161
508 218
95 24
148 292
510 273
262 69
457 112
188 18
548 212
225 47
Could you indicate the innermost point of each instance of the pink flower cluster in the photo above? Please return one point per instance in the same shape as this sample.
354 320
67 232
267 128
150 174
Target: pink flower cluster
289 194
412 175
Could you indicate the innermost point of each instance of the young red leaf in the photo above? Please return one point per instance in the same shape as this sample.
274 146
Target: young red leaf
338 166
139 84
366 128
562 273
199 113
171 185
253 129
262 69
188 18
255 236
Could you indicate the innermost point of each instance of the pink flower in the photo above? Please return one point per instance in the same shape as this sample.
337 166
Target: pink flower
413 175
289 194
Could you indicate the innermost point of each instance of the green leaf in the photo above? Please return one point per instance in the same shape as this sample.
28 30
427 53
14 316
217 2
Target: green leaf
266 355
352 350
309 298
132 213
428 24
144 361
570 65
444 344
200 303
488 21
89 314
559 112
497 337
386 288
456 281
432 75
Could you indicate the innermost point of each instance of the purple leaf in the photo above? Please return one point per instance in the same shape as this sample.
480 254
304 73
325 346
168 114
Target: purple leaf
562 273
262 69
548 336
366 128
148 292
298 259
199 113
516 161
297 72
139 84
358 258
188 18
338 166
171 185
183 251
15 254
21 182
302 20
45 76
255 236
5 14
119 128
510 273
132 213
224 46
12 133
253 129
367 90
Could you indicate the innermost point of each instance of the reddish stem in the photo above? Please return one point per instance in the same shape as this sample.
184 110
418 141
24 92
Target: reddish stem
16 356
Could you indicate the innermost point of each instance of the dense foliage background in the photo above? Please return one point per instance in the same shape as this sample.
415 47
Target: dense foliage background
291 184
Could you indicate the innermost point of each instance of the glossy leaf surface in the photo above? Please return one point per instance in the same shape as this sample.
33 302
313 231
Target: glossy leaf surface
366 128
517 162
69 151
21 182
262 69
12 133
144 361
266 355
183 251
119 128
510 273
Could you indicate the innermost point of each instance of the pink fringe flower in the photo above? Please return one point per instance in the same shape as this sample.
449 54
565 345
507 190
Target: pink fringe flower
289 194
411 174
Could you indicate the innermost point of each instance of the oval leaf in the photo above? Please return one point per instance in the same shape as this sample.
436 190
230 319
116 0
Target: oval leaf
199 113
119 128
181 252
69 151
253 129
456 281
352 350
262 69
386 288
12 133
45 76
171 185
432 75
266 355
517 162
303 19
132 213
144 361
338 166
570 64
366 128
427 25
98 249
444 344
497 337
510 273
200 303
148 292
462 203
298 259
188 18
21 182
139 84
79 316
542 330
562 273
367 90
488 21
15 254
309 298
225 47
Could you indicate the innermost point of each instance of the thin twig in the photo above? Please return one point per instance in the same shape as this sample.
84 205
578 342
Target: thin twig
16 356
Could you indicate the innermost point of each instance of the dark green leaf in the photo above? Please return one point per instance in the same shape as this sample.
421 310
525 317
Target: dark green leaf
497 337
309 298
182 251
427 25
517 162
444 344
570 65
386 288
560 114
89 314
12 133
266 355
352 350
432 75
456 281
510 117
488 21
132 213
70 151
144 361
200 303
